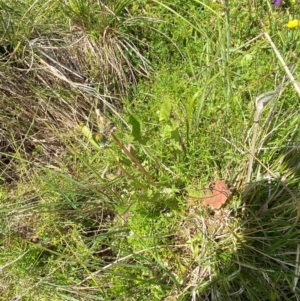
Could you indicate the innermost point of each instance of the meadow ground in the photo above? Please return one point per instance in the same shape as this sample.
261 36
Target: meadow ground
125 125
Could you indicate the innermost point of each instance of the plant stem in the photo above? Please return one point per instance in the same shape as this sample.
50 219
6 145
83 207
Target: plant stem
252 152
132 158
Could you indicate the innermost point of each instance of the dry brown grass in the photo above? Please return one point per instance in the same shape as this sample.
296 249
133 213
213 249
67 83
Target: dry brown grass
52 80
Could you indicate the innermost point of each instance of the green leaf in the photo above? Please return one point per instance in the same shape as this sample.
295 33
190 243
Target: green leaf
165 109
167 132
172 203
122 209
175 135
88 134
136 129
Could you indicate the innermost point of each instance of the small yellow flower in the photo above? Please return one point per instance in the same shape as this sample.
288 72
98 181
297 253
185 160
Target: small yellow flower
292 24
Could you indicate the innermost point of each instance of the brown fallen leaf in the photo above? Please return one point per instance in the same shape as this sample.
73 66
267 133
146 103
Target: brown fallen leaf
218 195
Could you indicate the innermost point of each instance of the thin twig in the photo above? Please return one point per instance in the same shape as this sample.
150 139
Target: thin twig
284 65
12 262
252 152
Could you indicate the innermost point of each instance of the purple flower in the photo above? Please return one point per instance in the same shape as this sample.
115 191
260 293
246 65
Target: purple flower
276 2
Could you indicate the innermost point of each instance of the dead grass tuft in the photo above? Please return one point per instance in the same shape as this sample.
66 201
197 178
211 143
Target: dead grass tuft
50 82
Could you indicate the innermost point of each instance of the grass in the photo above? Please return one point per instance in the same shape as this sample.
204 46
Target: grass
113 128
